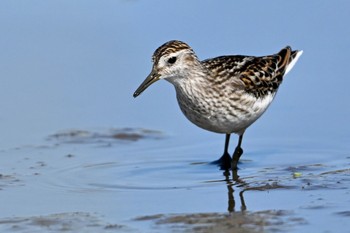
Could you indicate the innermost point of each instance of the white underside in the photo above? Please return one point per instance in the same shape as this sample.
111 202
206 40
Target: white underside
224 122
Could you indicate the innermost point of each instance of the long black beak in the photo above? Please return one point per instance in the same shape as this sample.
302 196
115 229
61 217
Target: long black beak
151 78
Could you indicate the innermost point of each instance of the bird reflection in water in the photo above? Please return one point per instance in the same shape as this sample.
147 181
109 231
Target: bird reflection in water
230 182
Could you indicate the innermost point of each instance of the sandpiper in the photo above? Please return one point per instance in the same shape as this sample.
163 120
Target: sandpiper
225 94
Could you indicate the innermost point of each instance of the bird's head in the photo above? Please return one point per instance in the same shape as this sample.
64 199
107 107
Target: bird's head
171 61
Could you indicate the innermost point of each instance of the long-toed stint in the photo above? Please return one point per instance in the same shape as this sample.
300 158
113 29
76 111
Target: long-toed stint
225 94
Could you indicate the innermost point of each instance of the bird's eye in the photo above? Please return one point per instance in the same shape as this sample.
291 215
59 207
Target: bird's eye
172 60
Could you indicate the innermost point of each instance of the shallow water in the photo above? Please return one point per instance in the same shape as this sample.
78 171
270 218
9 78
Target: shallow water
79 154
132 185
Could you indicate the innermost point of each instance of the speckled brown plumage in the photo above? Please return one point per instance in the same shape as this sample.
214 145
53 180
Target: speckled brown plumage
168 48
259 75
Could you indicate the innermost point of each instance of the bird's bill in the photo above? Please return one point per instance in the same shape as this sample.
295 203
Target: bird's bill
151 78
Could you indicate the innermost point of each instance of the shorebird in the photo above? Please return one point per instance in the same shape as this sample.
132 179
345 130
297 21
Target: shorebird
225 94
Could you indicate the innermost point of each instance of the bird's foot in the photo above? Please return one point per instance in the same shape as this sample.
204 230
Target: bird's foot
224 162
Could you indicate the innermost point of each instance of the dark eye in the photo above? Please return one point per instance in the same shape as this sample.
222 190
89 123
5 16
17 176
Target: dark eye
172 60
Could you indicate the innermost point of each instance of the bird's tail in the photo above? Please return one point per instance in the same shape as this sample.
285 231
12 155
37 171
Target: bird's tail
288 58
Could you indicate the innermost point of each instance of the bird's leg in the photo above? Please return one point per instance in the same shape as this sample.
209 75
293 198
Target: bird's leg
226 158
237 154
225 161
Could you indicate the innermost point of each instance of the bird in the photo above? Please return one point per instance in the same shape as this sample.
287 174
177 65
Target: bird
224 94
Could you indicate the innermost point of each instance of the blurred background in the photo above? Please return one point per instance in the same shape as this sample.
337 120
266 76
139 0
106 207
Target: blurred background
75 64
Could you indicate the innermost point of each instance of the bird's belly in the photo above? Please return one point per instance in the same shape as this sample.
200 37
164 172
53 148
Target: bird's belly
226 118
223 123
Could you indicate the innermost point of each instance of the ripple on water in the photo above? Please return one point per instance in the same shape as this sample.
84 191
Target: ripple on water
287 167
185 174
111 176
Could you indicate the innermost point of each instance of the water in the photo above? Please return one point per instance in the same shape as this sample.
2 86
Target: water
79 154
122 182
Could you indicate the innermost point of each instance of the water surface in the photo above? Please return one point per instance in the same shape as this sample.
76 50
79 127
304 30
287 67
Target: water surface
79 154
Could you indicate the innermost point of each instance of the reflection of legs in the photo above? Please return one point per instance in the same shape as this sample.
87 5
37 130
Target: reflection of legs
225 161
239 183
231 199
237 154
243 206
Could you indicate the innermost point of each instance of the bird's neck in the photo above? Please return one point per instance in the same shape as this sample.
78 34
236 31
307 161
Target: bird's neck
189 82
190 88
193 75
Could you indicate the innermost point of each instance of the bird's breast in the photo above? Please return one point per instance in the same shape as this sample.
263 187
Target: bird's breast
222 113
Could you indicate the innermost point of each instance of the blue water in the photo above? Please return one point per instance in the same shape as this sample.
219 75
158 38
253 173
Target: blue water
74 65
